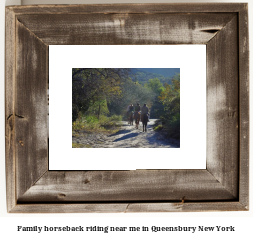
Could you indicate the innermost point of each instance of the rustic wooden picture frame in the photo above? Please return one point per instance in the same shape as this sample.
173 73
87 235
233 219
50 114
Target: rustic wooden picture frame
223 186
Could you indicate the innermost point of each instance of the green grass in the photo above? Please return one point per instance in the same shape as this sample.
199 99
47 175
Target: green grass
170 128
91 123
77 145
158 128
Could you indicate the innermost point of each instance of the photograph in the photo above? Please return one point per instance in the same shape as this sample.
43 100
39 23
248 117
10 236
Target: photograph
125 107
119 105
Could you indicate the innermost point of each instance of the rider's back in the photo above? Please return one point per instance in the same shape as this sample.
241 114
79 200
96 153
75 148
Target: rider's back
137 108
144 110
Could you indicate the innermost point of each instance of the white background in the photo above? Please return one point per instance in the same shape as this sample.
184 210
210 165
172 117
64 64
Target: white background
241 220
192 151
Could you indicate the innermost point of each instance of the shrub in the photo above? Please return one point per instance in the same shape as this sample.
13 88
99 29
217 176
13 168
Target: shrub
91 122
158 128
172 127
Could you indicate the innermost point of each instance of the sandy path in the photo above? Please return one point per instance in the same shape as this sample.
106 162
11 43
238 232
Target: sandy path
127 137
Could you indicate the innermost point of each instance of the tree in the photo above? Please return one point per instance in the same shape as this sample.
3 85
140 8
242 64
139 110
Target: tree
132 92
94 84
170 98
157 87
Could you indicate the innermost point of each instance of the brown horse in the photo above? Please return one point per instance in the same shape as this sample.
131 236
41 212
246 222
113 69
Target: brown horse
144 121
137 117
130 118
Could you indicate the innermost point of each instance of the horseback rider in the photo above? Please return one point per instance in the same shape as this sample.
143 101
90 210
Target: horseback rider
144 110
137 113
131 108
137 108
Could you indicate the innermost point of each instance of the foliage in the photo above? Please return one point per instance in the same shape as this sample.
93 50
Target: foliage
158 128
98 108
171 92
92 123
170 98
132 92
155 85
90 86
100 97
78 145
157 88
142 76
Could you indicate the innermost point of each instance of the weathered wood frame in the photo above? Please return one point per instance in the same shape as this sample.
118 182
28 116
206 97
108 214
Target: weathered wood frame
222 186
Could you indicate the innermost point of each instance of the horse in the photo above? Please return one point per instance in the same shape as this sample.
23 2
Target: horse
130 118
137 117
145 121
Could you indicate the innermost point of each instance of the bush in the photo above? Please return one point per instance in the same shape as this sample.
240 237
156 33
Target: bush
91 122
158 128
172 127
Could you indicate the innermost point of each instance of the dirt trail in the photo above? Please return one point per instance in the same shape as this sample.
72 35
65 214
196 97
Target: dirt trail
127 137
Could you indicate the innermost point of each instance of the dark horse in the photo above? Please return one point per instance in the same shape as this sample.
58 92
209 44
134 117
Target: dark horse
137 117
130 118
145 121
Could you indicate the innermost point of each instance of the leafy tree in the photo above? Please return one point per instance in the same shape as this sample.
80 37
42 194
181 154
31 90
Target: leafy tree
170 98
132 92
94 84
157 88
98 108
142 76
155 85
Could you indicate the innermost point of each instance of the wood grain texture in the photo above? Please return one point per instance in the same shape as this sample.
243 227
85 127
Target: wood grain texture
223 186
128 207
222 107
129 8
30 108
244 106
133 29
139 185
9 109
186 207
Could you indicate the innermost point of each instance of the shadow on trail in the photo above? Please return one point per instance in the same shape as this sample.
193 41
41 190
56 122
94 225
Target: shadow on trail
120 132
128 136
152 140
